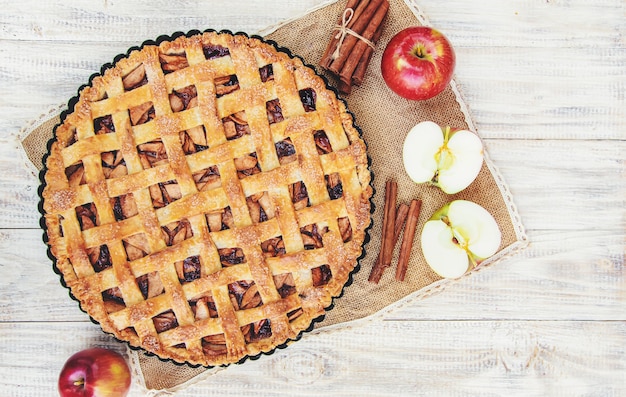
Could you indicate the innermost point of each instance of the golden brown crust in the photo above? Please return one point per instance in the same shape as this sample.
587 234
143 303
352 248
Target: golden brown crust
207 198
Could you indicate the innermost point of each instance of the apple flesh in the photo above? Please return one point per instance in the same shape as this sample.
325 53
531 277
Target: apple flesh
95 372
418 63
450 160
458 237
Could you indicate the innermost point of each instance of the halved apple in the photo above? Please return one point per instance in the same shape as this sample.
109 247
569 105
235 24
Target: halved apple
458 236
448 159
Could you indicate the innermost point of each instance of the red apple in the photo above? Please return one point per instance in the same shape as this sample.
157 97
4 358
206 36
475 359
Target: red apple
95 372
418 63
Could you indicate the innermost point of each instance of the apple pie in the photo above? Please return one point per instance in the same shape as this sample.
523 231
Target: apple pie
206 196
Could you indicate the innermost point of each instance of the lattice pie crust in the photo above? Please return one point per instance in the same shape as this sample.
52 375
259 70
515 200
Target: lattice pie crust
206 197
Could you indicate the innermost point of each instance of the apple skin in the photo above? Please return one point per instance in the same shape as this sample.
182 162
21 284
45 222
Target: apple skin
95 372
418 63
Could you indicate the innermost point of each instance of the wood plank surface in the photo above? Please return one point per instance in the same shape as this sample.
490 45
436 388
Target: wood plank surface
434 358
545 82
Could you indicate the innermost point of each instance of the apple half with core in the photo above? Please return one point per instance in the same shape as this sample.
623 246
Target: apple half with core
458 237
95 372
445 158
418 63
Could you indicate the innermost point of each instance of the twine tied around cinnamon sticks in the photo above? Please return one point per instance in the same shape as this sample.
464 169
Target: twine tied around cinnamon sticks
343 29
350 50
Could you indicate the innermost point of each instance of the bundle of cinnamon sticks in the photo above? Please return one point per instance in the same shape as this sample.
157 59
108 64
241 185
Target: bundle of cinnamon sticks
352 43
393 221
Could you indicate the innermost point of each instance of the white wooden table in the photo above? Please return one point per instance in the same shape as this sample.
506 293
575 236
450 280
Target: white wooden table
546 85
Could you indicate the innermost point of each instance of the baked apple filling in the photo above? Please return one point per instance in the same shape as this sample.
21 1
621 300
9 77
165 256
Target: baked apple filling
113 300
113 164
75 174
165 321
231 256
294 314
183 98
103 125
274 111
203 307
142 113
164 193
345 229
207 179
87 215
124 207
176 232
173 62
214 345
321 142
225 85
312 236
194 140
152 154
72 138
266 72
256 331
286 151
273 247
220 220
236 125
299 195
150 285
334 186
215 51
261 207
244 294
135 78
99 257
285 284
136 246
308 97
188 269
247 165
321 275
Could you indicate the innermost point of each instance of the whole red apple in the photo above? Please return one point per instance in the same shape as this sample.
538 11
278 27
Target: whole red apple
418 63
95 372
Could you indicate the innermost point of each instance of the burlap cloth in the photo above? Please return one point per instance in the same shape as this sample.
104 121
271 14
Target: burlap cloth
384 118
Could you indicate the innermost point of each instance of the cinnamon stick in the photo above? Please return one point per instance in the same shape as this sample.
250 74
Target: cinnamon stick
386 248
361 67
343 87
407 239
332 45
401 214
349 41
360 46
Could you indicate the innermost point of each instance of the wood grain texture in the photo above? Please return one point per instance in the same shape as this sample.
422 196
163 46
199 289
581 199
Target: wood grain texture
544 82
434 358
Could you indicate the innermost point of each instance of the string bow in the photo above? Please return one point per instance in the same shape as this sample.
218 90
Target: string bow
343 29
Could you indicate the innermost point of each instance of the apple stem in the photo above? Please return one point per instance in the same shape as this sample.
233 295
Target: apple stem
474 263
79 382
419 51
